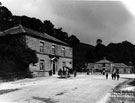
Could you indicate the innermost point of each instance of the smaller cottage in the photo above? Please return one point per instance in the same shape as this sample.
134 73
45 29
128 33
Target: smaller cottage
103 65
108 66
122 68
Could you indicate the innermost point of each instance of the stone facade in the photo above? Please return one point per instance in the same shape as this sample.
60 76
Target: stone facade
123 68
61 53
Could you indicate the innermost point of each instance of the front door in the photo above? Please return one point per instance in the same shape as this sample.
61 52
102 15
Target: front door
54 67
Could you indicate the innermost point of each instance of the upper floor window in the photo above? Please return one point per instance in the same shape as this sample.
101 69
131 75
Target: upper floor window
53 49
41 47
63 51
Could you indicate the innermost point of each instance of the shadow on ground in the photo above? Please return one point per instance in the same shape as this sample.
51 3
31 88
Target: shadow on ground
61 77
46 100
7 91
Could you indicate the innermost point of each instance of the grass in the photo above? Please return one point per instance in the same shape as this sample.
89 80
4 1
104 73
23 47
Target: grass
132 83
117 89
123 83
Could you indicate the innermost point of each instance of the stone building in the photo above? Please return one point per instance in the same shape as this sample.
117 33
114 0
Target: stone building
108 66
123 68
103 65
52 53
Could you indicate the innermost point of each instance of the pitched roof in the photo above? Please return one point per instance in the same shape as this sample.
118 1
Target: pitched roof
21 29
120 65
103 61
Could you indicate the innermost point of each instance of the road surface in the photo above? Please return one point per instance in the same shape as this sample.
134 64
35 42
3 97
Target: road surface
82 89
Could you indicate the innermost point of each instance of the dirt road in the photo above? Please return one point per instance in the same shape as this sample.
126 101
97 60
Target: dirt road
82 89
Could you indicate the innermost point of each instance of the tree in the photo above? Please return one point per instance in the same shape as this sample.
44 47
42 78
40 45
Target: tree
15 52
73 40
100 50
99 41
91 56
59 34
5 18
48 27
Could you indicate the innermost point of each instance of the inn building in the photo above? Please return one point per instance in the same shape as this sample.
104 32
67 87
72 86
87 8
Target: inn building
52 53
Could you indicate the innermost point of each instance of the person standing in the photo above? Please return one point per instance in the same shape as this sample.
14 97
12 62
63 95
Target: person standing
75 73
60 72
88 71
118 76
106 75
112 76
115 76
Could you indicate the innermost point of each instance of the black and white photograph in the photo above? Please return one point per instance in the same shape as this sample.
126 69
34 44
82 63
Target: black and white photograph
67 51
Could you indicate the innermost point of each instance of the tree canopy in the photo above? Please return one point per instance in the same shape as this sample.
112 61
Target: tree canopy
8 20
15 55
115 52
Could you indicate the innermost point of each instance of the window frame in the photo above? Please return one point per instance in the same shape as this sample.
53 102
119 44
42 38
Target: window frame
42 62
53 48
63 51
63 64
42 47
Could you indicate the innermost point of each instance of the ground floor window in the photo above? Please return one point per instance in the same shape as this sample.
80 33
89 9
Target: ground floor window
63 64
42 64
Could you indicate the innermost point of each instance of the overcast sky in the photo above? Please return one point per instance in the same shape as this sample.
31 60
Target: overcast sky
111 21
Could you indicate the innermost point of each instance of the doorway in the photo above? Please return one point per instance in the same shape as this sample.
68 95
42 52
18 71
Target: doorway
54 67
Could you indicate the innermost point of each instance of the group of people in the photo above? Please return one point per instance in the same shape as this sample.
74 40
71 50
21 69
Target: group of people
114 76
64 72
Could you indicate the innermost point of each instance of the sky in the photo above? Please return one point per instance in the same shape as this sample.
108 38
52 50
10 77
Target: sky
89 20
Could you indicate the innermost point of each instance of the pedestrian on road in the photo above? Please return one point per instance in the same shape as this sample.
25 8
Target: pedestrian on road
112 76
75 73
60 72
88 71
118 76
106 75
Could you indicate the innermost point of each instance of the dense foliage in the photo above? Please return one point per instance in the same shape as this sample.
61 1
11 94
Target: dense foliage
123 52
8 20
15 55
